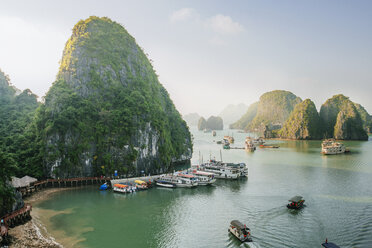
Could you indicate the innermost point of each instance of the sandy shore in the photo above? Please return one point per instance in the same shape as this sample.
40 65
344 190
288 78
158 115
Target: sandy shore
33 233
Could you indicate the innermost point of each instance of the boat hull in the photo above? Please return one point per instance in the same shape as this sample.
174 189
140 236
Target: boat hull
240 237
166 185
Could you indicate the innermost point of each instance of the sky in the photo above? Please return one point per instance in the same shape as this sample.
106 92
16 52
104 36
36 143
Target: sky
208 54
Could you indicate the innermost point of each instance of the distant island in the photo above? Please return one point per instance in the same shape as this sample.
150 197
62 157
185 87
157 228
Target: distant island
213 123
192 119
281 114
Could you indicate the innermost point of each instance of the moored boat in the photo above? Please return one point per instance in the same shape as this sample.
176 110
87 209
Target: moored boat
124 188
203 177
165 184
141 185
221 171
249 146
104 186
242 232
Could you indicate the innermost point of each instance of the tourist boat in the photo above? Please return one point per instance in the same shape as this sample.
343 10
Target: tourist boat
296 202
230 139
249 146
124 188
221 171
186 180
203 177
141 185
214 133
256 142
179 180
330 147
242 232
242 167
327 244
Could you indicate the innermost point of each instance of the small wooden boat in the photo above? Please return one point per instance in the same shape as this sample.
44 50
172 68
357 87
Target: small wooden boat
296 202
268 146
242 232
104 187
141 185
327 244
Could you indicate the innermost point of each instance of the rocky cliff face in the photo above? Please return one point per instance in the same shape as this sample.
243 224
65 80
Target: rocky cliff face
303 123
245 120
366 118
342 119
274 109
107 110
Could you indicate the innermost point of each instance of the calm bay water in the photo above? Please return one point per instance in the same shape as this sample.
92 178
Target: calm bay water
337 190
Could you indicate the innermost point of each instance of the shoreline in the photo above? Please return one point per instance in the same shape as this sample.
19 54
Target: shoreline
33 234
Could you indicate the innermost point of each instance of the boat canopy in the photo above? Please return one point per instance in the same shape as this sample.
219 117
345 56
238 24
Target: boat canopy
203 173
186 175
140 182
237 224
330 245
295 199
120 185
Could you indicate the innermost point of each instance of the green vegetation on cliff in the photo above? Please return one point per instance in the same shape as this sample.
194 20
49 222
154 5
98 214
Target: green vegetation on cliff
274 108
16 113
342 119
366 118
245 120
107 110
303 123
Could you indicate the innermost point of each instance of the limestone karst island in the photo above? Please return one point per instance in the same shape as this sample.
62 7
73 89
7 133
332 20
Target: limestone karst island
160 124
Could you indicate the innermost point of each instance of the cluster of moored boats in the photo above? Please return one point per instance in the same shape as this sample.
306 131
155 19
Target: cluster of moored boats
197 175
204 174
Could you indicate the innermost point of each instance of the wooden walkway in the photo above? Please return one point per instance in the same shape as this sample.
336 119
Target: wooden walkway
63 183
12 219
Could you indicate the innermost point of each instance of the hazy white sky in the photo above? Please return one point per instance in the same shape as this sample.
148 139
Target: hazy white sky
208 53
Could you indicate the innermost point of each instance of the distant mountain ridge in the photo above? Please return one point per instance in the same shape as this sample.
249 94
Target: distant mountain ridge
232 112
282 114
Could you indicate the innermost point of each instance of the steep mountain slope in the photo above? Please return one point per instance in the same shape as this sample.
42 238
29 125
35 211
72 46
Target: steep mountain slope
107 110
342 119
303 123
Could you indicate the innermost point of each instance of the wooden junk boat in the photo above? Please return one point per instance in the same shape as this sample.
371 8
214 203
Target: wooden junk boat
242 232
296 202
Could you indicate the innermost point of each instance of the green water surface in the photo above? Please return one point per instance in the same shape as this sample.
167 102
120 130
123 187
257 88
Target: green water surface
337 190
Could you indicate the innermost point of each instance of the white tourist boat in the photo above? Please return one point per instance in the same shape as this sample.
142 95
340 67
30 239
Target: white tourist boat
179 180
221 171
203 177
330 146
